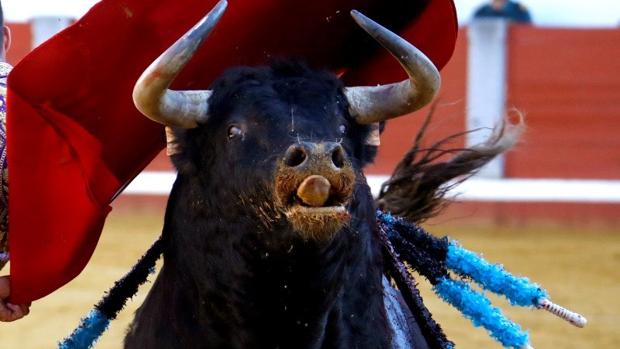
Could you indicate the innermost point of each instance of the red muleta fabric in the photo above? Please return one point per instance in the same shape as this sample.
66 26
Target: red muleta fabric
75 139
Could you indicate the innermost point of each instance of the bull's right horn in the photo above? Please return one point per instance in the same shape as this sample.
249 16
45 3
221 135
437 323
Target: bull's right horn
371 104
176 108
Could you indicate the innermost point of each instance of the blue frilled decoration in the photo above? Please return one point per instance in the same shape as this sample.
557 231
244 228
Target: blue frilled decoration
518 290
434 258
477 308
86 334
96 322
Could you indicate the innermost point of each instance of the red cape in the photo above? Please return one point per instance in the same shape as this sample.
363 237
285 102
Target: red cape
75 139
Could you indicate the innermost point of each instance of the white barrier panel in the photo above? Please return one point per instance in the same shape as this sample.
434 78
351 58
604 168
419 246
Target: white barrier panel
151 183
509 190
539 190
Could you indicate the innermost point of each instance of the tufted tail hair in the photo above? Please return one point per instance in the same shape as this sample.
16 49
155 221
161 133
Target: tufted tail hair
417 188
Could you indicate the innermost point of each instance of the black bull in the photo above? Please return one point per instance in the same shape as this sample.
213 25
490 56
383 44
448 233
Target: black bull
247 263
270 233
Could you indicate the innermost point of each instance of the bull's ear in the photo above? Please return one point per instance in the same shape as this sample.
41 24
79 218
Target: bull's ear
373 140
374 136
172 146
176 149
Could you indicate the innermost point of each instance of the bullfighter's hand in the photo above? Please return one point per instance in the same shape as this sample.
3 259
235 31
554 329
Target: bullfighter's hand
10 312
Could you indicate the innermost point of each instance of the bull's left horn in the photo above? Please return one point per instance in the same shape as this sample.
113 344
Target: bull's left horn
370 104
176 108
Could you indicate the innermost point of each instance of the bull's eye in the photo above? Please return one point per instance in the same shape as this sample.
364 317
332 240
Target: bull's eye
342 129
234 132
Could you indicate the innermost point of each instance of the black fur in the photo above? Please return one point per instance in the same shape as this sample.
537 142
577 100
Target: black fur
424 252
115 299
396 269
235 274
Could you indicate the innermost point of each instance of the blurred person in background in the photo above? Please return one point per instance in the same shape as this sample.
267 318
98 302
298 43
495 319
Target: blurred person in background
8 311
508 9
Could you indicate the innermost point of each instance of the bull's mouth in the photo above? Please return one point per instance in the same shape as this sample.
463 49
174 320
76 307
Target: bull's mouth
317 206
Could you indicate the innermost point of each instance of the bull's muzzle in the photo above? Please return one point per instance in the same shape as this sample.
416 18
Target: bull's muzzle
314 184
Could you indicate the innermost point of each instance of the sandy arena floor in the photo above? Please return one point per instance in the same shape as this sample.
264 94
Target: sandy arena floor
579 267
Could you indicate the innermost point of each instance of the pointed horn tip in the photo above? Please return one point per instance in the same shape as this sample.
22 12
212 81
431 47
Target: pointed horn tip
215 14
220 6
221 3
360 18
208 22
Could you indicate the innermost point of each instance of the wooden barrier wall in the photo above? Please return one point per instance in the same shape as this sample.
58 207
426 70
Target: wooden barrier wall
566 81
21 43
568 84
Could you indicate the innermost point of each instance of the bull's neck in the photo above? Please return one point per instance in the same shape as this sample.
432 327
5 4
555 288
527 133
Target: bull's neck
246 286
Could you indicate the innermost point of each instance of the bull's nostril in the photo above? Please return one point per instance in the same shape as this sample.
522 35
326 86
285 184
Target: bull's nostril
338 157
295 157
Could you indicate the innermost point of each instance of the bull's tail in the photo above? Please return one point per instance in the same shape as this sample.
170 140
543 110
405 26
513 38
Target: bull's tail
417 188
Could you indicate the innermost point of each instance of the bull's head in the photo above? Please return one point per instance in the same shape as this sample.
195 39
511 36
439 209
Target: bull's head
296 134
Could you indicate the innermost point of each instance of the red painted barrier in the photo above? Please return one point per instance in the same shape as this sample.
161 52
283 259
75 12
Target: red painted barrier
21 42
567 81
